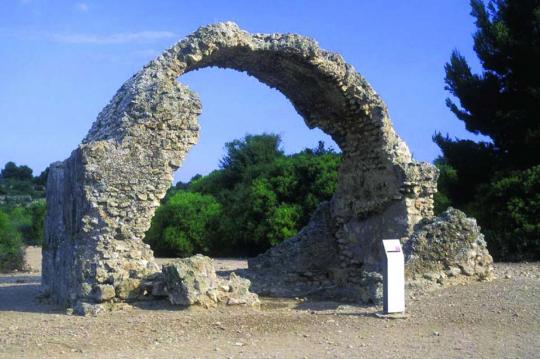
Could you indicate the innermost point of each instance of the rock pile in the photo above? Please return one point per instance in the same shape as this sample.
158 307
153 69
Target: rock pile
193 280
185 282
447 247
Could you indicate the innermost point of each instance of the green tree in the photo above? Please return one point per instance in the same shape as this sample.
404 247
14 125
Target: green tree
446 186
41 180
12 171
183 225
512 220
18 181
11 251
267 196
245 158
36 231
502 103
20 219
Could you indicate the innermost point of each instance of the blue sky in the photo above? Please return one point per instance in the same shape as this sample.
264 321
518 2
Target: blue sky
62 61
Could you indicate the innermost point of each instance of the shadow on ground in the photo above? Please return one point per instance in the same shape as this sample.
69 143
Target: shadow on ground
333 308
19 293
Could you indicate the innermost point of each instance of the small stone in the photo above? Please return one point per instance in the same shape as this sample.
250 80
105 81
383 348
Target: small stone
104 292
432 276
85 309
128 289
467 270
236 301
453 271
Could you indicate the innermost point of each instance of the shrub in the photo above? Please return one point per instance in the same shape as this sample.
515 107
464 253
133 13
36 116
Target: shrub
184 224
11 250
445 185
36 231
508 209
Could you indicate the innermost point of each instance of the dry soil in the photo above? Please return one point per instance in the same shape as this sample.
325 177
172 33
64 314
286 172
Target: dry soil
497 319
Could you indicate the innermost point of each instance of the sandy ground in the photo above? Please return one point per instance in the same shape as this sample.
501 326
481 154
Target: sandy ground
498 319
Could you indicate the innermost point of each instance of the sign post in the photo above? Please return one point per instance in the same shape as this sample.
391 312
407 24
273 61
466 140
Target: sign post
394 277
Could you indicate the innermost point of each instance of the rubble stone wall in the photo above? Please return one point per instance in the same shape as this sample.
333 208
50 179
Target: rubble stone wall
102 198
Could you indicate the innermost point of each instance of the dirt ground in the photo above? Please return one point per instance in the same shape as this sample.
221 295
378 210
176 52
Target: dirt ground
498 319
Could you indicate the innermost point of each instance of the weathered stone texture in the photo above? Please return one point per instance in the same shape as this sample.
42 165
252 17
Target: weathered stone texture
193 280
188 280
446 246
102 198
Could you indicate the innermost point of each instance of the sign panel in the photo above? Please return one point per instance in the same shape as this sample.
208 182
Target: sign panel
394 277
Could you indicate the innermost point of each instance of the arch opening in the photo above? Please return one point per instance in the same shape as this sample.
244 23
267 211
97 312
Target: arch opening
235 104
222 200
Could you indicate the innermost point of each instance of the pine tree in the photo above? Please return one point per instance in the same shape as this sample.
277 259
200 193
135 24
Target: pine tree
502 103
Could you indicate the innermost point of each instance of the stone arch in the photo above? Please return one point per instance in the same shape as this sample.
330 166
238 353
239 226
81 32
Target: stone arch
102 198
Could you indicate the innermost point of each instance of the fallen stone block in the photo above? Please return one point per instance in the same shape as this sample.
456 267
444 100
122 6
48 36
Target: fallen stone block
193 280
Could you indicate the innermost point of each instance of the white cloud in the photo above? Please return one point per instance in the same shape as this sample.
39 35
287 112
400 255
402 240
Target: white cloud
81 6
120 38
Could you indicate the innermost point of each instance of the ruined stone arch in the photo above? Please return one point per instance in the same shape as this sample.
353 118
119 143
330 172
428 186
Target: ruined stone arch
102 198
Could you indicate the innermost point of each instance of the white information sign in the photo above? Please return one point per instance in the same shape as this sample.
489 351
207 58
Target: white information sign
394 277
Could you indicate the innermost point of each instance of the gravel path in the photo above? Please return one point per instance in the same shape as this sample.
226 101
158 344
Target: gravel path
498 319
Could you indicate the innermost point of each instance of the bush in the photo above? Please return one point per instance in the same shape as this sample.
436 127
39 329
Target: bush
20 219
11 250
267 196
36 231
184 224
28 221
508 209
446 186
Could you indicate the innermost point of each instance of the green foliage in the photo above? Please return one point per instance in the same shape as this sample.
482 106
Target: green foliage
265 196
20 173
18 181
11 252
20 218
28 221
446 186
246 157
283 223
182 225
509 209
36 231
474 164
23 201
503 103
